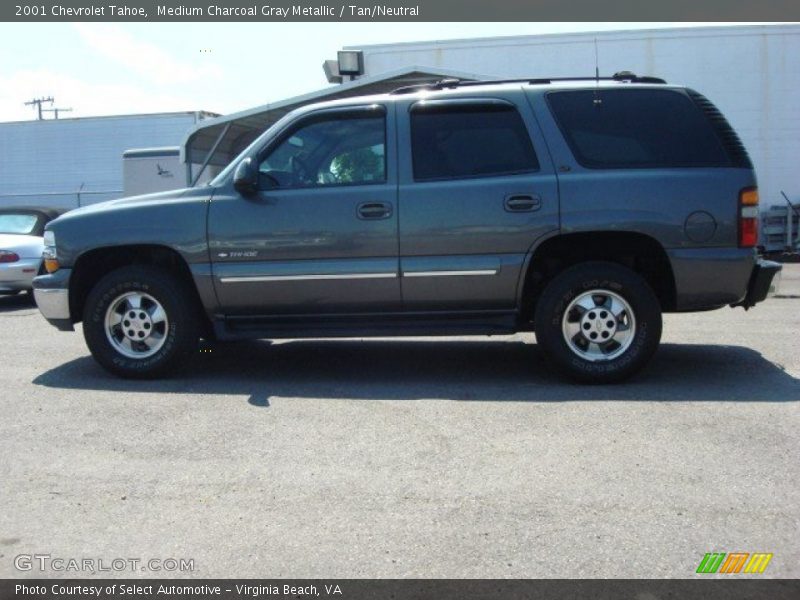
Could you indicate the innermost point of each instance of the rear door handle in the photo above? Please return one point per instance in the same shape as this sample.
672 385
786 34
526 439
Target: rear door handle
522 203
374 210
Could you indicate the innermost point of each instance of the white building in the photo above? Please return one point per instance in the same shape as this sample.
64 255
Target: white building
752 74
72 162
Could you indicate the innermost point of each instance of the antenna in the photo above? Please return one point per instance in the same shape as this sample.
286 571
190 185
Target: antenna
38 102
597 101
55 111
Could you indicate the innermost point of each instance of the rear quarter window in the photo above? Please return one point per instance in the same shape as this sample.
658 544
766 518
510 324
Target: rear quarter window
22 223
636 128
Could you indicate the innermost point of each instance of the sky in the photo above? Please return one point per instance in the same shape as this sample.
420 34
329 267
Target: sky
123 68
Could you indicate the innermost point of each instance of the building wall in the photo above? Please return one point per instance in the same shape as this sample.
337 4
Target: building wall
65 162
752 74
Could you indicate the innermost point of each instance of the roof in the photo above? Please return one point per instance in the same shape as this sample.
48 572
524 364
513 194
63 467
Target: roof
45 211
196 114
151 152
558 82
728 30
241 128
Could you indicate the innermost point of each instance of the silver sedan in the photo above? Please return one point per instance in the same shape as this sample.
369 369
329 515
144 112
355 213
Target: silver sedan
21 245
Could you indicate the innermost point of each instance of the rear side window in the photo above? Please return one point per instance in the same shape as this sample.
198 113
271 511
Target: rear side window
459 141
21 223
610 129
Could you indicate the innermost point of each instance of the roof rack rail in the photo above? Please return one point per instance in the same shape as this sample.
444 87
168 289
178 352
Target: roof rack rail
452 83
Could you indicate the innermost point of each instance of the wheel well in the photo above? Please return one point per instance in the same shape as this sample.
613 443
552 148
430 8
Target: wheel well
95 264
637 251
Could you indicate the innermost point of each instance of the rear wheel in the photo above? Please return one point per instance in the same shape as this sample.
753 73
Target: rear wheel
139 322
598 322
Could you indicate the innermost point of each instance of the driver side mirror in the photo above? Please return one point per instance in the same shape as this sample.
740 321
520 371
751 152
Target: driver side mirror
245 178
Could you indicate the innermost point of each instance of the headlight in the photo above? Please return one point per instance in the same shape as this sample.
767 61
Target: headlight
49 254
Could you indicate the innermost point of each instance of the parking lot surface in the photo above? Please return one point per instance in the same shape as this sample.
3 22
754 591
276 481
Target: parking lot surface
449 457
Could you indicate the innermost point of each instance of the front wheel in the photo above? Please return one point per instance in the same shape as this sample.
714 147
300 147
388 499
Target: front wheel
598 322
139 322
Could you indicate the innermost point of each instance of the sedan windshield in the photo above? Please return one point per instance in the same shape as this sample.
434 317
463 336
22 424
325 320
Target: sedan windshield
17 223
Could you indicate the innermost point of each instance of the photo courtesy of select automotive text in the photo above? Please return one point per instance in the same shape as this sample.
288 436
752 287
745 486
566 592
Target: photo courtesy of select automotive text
420 300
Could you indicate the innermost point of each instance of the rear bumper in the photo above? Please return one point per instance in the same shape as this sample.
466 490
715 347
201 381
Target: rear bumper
18 275
763 282
52 297
707 278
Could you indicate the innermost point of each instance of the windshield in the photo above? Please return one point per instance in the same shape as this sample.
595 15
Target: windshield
18 223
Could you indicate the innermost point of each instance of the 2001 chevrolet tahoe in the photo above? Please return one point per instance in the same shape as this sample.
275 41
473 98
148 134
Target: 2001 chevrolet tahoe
579 209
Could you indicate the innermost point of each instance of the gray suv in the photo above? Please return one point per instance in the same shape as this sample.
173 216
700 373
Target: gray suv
579 209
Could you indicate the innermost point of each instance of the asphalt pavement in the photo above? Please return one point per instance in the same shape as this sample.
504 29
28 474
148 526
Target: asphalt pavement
426 457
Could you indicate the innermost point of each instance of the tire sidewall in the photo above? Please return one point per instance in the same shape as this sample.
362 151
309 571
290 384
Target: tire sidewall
117 283
613 278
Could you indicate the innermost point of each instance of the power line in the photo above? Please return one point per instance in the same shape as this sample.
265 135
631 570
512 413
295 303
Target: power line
55 111
38 103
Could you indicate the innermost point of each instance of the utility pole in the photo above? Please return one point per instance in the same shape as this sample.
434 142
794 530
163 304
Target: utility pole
55 111
38 102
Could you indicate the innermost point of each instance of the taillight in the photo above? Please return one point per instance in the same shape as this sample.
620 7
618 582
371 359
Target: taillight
8 257
748 217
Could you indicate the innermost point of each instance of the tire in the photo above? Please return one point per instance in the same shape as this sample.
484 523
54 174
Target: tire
612 304
158 342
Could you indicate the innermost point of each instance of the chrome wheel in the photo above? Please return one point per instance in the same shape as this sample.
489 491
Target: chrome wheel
136 325
598 325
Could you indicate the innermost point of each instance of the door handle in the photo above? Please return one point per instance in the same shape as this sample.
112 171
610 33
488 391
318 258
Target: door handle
374 210
522 203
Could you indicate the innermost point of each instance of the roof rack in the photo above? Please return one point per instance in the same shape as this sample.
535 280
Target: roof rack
453 83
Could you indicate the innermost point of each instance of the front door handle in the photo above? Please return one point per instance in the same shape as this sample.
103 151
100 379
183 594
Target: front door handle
374 210
522 203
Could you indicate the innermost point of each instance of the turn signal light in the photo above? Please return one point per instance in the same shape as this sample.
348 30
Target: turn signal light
8 257
49 258
51 265
748 197
748 218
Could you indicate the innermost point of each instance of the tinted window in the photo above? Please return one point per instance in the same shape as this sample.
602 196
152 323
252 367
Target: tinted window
331 150
636 128
469 141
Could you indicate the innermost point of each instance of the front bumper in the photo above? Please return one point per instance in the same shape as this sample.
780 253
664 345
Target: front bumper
763 282
52 297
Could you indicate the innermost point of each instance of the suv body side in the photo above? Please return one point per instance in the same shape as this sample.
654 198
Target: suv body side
487 208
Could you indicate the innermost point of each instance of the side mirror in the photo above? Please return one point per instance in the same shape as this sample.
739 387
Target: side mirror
245 178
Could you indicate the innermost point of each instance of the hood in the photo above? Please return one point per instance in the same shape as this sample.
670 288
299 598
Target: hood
122 203
27 246
175 219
